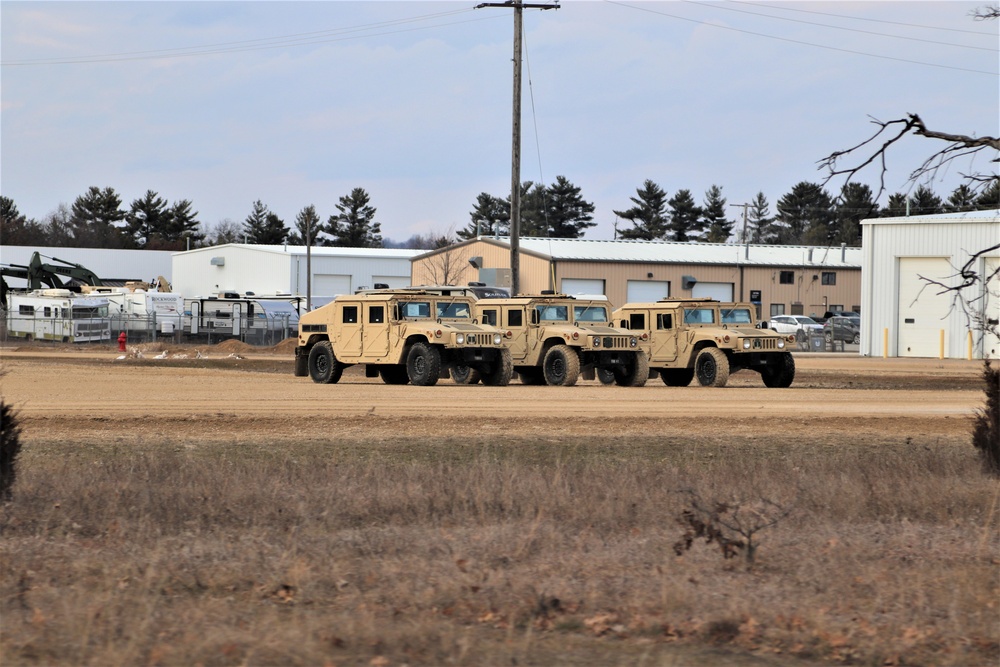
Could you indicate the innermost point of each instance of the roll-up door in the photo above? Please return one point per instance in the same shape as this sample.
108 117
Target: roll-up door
328 284
717 291
923 313
588 286
647 291
991 341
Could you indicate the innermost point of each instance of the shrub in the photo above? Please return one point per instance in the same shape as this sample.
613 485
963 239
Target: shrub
10 448
986 431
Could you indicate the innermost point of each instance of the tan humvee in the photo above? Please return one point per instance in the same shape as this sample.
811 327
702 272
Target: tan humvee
707 339
554 338
405 335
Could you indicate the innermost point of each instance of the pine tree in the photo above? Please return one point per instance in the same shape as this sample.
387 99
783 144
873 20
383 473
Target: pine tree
95 220
568 213
255 223
856 202
534 210
805 215
16 229
307 225
355 226
648 216
895 206
490 217
184 226
717 228
148 219
685 217
990 198
925 202
760 222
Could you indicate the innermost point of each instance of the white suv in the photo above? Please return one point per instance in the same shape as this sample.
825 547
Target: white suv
800 325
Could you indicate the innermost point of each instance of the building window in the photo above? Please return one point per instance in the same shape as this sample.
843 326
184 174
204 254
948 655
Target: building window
350 315
777 309
829 278
786 277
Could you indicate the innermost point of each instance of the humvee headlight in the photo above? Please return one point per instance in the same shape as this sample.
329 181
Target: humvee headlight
597 341
633 341
781 344
460 339
497 338
746 344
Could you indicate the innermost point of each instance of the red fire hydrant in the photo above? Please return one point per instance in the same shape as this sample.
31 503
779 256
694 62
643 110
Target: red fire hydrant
121 341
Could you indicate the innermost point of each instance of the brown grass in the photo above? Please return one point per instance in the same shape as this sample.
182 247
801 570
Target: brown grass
522 552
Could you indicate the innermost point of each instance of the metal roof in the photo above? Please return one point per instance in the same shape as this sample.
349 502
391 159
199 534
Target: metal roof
317 251
992 215
672 252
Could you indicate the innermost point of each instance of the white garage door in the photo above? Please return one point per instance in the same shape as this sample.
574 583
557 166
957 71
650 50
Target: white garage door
717 291
923 313
328 284
646 291
392 281
588 286
991 342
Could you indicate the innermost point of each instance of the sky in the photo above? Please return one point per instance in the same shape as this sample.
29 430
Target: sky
298 103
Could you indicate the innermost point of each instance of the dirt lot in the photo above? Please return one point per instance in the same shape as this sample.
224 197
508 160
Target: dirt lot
235 392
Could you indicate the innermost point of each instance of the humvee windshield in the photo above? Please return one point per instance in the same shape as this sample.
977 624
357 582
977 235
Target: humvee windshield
736 316
552 313
416 309
452 310
590 314
699 316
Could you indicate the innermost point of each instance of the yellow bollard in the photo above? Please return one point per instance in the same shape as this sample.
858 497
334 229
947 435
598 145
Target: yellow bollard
941 345
885 343
969 345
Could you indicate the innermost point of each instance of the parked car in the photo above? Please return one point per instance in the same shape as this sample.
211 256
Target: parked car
839 328
800 325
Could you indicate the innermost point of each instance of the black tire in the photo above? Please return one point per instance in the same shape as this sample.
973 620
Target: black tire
501 372
464 375
857 339
561 366
530 375
606 375
712 367
423 364
323 365
677 377
394 374
781 374
636 374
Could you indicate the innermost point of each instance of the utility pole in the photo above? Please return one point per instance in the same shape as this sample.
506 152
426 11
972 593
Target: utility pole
309 269
744 207
515 157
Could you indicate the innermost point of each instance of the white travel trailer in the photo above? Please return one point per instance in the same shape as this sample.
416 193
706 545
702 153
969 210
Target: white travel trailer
141 310
251 318
59 315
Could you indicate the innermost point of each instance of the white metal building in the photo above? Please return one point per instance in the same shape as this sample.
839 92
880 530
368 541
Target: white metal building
906 316
107 264
280 269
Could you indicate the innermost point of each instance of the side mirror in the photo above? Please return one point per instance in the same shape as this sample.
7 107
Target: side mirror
762 324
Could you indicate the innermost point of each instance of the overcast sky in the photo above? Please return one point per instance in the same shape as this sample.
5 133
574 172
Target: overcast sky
297 103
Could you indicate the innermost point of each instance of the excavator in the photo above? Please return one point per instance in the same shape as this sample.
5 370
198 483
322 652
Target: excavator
38 273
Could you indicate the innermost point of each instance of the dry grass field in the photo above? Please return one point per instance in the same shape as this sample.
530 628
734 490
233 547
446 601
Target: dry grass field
219 511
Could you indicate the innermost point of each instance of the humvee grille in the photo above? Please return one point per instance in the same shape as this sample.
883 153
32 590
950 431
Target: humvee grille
763 343
481 340
614 341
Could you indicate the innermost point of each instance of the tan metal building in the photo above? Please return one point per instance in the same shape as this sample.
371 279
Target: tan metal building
781 279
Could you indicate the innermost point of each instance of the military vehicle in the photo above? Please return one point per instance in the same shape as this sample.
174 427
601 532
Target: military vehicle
555 338
400 335
707 340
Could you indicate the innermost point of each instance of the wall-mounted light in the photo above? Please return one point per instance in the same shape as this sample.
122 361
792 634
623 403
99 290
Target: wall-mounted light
218 261
649 275
476 262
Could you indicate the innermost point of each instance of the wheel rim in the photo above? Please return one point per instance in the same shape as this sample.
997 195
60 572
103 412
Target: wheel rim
420 365
706 369
322 364
557 368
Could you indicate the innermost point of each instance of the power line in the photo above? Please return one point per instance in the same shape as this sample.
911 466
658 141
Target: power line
260 44
797 41
837 27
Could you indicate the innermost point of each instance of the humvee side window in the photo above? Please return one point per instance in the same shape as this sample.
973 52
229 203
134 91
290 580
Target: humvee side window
699 316
553 313
452 310
664 320
350 314
637 321
421 309
736 316
376 314
490 317
590 314
514 318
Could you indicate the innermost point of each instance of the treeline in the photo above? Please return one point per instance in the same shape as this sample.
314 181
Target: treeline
808 214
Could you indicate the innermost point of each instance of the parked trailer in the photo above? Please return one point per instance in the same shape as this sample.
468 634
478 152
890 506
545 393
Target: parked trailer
252 319
59 315
142 311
